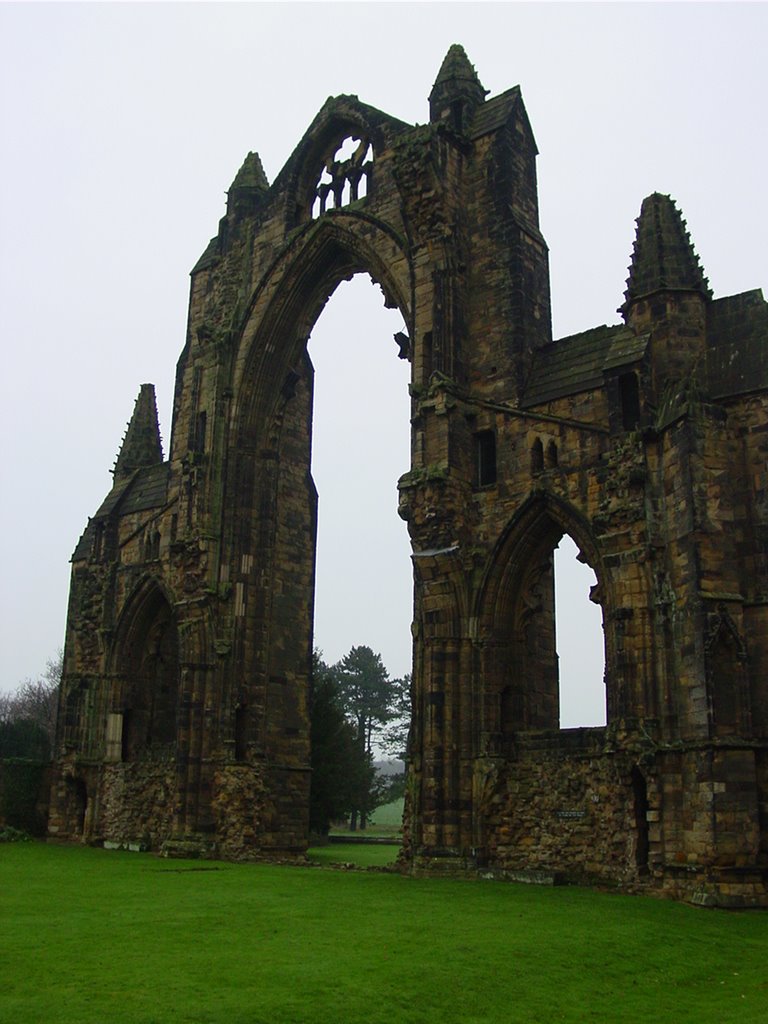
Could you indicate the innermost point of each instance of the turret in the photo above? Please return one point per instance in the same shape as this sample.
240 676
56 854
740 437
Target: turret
248 188
457 91
667 292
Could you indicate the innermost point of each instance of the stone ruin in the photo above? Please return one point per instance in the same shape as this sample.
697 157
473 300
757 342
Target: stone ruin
184 710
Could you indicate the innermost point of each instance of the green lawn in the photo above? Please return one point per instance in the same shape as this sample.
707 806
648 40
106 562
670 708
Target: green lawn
364 855
88 936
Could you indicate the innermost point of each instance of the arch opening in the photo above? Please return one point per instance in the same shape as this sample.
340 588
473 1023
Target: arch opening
360 448
146 669
78 796
579 639
543 641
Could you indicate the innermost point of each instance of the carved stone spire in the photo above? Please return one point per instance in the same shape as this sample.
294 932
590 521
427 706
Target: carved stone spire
663 259
141 445
457 91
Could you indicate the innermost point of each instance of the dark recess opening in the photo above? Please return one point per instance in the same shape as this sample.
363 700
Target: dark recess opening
241 722
486 458
629 396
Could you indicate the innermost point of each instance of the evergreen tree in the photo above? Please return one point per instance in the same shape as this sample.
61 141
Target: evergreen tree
342 774
366 694
354 703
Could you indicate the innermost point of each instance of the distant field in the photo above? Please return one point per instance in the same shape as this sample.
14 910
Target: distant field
88 936
385 821
389 814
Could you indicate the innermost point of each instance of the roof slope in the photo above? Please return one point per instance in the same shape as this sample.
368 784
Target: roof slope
578 363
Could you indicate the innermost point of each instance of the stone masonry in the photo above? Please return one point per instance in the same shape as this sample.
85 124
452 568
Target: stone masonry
184 723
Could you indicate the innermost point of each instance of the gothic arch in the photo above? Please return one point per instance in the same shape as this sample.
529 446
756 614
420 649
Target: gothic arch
540 523
516 617
144 674
726 658
292 294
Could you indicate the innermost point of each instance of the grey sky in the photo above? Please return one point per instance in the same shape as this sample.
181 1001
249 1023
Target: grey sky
123 126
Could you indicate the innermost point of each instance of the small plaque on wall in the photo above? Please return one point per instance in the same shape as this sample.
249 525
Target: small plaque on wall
570 815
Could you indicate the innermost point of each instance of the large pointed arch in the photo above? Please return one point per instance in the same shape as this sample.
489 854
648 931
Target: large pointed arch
291 296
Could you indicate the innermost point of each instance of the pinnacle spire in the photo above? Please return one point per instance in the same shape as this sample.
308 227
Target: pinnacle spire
248 188
251 174
663 258
457 91
141 445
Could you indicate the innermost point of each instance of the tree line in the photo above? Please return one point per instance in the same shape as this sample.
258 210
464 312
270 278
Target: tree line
354 708
28 715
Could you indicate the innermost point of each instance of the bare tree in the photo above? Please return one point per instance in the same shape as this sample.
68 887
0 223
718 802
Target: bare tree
36 700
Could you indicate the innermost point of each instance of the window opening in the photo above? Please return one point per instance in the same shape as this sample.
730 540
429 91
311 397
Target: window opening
486 458
579 640
551 455
346 150
537 457
345 177
241 723
629 396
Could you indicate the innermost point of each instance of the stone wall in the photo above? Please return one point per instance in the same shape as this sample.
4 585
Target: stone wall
137 801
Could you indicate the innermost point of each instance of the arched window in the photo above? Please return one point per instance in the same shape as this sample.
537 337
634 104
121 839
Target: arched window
543 662
726 657
345 176
146 671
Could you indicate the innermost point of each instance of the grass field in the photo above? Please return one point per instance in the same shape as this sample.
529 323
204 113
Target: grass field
360 854
88 936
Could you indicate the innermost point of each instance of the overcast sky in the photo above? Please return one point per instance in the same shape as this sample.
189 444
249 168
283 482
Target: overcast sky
123 125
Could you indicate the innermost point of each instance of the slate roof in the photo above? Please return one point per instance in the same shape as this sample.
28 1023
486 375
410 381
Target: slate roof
577 363
146 489
494 113
737 331
737 357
